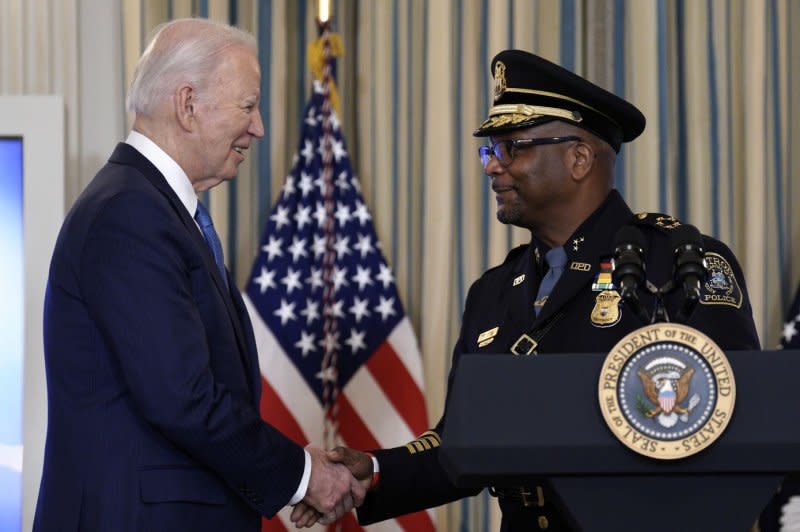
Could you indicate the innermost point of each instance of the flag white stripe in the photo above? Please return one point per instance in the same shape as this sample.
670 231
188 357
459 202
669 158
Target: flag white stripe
404 343
376 411
390 525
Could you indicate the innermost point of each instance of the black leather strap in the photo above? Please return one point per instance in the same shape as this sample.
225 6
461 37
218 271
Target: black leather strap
528 342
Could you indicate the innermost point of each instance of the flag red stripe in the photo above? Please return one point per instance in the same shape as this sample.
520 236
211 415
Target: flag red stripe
399 387
274 411
273 525
419 521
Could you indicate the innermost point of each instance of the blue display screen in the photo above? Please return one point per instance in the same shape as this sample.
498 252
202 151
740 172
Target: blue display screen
12 313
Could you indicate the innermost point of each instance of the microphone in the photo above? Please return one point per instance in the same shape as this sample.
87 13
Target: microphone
629 267
690 267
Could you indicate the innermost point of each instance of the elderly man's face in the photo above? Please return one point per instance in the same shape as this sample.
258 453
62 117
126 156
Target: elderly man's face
228 118
532 188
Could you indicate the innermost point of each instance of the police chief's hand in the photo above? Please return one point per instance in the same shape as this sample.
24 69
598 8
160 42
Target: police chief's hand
359 464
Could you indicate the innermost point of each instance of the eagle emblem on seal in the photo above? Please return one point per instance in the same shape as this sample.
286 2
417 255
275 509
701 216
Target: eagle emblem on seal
666 382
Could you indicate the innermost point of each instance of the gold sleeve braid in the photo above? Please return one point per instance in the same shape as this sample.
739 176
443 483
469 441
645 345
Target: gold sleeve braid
426 441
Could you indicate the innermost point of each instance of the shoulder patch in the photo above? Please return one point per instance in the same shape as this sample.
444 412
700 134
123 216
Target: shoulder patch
665 222
721 287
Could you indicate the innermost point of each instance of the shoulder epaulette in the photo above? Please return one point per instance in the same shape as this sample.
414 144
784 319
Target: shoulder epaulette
663 222
516 252
512 256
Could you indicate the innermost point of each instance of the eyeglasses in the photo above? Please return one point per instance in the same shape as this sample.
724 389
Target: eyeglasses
505 150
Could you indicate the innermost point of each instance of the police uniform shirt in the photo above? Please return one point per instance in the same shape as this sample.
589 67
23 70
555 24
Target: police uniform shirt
502 301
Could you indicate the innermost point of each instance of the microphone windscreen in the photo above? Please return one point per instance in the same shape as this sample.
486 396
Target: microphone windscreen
630 235
684 235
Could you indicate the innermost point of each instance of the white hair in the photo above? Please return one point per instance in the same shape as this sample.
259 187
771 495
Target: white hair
181 51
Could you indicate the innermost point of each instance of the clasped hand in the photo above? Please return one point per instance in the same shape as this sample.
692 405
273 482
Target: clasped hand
339 481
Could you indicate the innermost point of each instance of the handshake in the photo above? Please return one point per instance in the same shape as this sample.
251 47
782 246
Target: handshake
339 481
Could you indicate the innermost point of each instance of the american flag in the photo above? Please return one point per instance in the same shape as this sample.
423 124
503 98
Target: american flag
339 359
790 335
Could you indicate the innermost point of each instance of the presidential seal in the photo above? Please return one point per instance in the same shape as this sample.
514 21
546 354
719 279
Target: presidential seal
666 391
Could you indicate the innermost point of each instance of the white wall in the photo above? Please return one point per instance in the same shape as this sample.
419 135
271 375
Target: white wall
72 50
39 120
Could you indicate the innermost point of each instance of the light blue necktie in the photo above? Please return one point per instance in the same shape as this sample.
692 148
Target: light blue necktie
556 258
212 239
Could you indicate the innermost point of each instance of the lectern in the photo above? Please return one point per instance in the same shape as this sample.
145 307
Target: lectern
514 418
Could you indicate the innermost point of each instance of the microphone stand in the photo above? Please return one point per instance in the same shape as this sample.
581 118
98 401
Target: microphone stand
660 314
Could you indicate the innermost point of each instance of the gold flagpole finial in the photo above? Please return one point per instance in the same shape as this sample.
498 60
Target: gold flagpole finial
324 11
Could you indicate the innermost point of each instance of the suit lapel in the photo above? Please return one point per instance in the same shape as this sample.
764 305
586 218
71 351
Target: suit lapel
251 353
127 155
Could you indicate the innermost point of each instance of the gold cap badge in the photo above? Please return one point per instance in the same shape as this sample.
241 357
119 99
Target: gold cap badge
499 80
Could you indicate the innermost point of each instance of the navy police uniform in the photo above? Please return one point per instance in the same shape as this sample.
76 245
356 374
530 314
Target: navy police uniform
583 313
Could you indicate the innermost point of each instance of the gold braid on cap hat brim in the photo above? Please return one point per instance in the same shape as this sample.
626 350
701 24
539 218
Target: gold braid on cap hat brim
560 97
517 113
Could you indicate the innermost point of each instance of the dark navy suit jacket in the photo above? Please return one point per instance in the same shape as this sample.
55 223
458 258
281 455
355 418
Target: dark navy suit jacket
152 375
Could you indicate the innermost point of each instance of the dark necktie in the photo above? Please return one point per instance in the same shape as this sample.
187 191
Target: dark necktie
203 219
556 259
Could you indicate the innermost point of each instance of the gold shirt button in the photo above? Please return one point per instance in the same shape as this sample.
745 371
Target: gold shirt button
543 522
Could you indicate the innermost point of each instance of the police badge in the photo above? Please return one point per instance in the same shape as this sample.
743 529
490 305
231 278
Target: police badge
606 310
666 391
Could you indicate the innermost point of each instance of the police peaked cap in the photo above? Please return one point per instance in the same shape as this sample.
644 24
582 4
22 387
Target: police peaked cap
530 91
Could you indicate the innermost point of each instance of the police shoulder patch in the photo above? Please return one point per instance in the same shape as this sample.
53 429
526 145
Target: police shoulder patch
664 222
721 286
